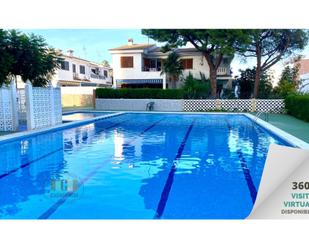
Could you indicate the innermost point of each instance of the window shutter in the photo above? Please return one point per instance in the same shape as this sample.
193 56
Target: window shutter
126 61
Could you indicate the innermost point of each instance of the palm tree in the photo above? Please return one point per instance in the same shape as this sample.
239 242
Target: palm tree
172 67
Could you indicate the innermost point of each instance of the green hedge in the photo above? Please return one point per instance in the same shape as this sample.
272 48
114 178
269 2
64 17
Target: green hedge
298 106
139 93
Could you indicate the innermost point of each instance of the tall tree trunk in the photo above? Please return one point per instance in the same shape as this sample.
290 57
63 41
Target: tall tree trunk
213 81
257 72
213 63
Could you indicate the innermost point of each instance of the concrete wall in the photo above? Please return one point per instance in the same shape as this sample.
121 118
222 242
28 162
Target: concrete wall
77 100
77 90
171 105
138 104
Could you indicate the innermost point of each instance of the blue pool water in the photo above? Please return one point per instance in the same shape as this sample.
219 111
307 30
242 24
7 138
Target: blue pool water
137 166
77 116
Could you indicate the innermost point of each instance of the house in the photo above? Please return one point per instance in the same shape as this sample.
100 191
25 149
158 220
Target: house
76 71
304 75
140 65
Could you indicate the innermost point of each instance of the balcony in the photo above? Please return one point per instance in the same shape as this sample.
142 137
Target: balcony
99 77
224 71
151 65
151 69
76 76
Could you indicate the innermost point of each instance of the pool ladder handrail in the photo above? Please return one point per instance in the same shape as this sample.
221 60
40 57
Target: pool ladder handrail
258 115
150 106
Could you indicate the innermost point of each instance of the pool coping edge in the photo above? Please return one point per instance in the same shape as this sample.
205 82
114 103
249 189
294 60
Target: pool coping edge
62 126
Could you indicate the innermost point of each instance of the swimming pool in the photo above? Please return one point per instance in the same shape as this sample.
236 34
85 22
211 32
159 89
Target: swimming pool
137 166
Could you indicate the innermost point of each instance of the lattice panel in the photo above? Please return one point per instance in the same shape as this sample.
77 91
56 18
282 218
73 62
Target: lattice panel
57 105
190 105
6 110
270 105
42 110
21 104
235 105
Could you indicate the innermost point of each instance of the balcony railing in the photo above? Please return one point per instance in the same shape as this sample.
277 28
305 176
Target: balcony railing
223 71
99 77
151 69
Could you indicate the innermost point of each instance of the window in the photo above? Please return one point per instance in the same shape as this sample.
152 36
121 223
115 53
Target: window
82 69
95 71
65 65
187 63
126 61
152 64
74 68
105 73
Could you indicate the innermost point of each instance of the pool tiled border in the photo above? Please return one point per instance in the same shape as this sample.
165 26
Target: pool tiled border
27 134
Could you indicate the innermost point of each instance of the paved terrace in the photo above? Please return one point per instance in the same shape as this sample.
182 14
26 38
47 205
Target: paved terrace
294 126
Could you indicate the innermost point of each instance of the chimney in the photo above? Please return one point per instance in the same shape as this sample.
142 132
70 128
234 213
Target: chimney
70 52
130 42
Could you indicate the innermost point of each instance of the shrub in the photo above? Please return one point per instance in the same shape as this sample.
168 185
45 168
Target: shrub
196 89
298 106
284 89
139 93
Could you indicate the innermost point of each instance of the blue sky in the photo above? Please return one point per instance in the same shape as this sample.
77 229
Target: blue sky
93 44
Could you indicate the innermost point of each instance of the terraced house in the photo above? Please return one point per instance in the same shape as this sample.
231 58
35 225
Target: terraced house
75 71
140 65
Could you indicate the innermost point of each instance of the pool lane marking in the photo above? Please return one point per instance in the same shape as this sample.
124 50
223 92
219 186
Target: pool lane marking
63 199
245 169
247 174
28 163
46 155
170 179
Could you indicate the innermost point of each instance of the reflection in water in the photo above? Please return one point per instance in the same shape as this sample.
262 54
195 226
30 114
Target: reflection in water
30 171
209 181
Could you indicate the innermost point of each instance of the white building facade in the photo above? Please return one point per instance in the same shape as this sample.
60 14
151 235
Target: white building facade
140 65
75 71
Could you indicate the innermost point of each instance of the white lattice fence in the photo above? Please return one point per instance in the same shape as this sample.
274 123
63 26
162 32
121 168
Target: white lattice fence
190 105
21 105
43 106
8 108
238 105
270 105
57 105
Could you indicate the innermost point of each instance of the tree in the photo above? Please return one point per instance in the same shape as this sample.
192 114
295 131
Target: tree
6 59
213 44
172 66
269 46
288 82
105 63
246 83
33 59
